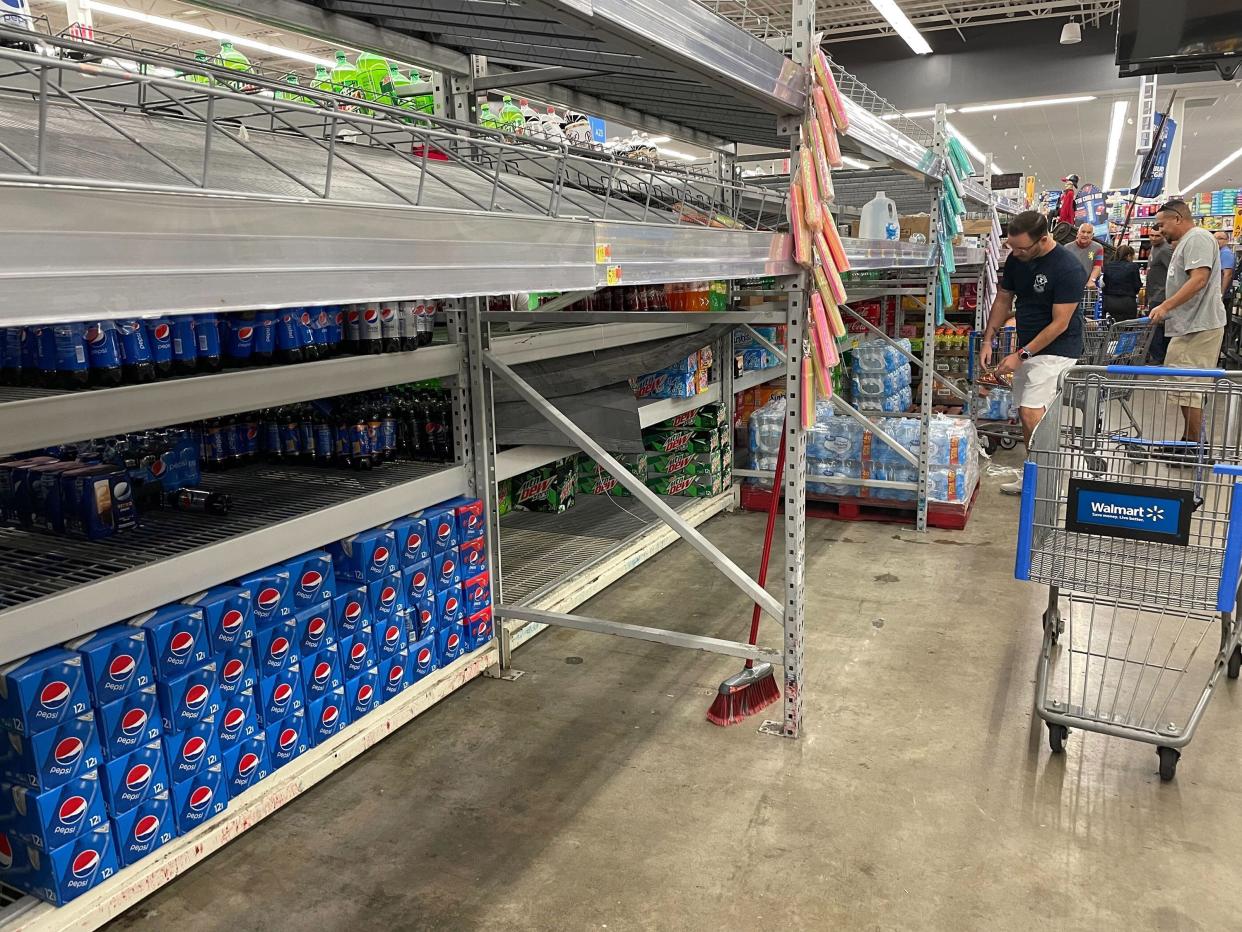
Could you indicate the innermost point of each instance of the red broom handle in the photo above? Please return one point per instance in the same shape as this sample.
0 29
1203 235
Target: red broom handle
773 506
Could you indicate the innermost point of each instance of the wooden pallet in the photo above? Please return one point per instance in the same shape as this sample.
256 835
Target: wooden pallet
939 514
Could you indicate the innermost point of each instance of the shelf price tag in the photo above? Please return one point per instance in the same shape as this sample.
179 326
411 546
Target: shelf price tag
614 274
603 252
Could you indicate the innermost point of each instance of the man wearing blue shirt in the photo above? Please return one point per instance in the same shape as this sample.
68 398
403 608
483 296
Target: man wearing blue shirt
1047 282
1227 261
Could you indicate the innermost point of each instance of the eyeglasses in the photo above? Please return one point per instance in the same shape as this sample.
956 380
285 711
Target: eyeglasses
1024 250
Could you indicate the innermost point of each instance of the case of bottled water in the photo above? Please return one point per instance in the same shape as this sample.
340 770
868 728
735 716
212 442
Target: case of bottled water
879 356
875 384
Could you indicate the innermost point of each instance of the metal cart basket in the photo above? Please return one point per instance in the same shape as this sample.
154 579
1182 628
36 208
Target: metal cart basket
1139 540
991 396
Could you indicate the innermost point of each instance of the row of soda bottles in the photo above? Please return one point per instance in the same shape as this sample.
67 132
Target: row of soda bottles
360 431
105 353
682 296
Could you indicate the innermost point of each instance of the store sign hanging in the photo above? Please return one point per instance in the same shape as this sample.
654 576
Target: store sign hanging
1153 184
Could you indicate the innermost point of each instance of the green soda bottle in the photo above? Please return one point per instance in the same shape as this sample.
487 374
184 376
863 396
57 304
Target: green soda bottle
423 103
372 71
511 119
291 79
487 119
201 58
345 77
234 60
323 79
393 82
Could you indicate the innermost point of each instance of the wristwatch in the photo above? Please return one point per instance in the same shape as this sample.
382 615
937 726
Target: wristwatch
1024 353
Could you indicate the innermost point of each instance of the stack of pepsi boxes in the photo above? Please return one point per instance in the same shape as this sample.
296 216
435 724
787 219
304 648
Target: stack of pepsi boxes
128 737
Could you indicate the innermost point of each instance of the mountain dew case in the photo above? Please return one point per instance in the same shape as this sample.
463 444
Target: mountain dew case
549 488
690 486
690 464
698 419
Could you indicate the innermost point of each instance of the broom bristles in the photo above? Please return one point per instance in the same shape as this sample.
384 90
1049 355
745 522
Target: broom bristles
735 705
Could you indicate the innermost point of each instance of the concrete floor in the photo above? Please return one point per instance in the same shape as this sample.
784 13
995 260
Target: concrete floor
591 793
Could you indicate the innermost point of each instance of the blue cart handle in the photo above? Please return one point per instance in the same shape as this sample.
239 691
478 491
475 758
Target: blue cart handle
1231 562
1165 370
1227 469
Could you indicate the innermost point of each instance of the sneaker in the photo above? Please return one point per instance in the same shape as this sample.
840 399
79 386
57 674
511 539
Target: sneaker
1013 488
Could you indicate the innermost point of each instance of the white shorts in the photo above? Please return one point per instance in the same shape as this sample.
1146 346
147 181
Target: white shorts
1035 382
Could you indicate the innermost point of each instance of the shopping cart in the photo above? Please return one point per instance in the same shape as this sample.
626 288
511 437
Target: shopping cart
1091 304
1110 343
991 404
1140 543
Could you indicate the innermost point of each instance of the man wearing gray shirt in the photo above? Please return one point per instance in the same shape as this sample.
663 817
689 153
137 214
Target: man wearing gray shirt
1086 250
1157 272
1192 311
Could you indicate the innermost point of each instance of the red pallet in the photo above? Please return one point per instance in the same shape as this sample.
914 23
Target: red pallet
939 514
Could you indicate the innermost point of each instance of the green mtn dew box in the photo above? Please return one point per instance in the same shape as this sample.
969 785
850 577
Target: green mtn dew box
690 486
698 419
693 464
635 463
548 488
601 485
504 496
684 440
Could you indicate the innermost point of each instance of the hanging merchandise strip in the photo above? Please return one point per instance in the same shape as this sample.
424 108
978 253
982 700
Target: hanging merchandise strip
953 216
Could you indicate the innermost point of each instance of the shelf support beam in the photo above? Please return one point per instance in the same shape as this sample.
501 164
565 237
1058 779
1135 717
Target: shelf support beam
584 441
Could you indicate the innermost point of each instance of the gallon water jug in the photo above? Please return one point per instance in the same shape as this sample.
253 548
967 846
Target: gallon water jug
879 219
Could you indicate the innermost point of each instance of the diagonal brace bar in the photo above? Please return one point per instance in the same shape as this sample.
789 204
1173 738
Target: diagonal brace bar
641 633
731 570
765 343
871 427
915 360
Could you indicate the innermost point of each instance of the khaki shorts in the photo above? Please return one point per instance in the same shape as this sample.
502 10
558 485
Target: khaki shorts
1194 351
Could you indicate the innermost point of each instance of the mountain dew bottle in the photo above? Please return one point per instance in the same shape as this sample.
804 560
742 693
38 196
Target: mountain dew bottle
394 81
511 119
345 77
423 103
322 80
291 79
203 59
487 119
230 58
372 71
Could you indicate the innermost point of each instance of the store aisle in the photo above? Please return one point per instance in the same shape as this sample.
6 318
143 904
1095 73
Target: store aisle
591 793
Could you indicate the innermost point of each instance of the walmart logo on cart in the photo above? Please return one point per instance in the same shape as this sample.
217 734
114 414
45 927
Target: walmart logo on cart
1139 513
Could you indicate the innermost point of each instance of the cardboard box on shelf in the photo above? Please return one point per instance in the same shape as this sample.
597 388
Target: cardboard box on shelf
911 224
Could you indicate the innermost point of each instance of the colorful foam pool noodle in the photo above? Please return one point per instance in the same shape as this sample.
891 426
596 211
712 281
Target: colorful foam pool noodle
835 286
808 394
828 132
801 235
835 323
835 246
823 74
820 340
812 214
827 193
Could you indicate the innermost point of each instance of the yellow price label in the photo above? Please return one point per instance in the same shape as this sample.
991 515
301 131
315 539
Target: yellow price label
603 252
614 274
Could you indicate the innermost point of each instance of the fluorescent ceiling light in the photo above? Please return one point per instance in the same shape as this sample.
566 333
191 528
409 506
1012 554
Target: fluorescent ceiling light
853 163
897 19
972 148
1020 104
1223 163
1114 140
193 30
678 155
658 139
914 114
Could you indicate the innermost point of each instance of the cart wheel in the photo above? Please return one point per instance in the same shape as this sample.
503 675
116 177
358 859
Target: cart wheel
1096 464
1056 737
1235 664
1053 625
1168 763
1008 443
989 444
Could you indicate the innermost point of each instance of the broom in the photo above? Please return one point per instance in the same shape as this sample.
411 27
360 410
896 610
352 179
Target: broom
754 688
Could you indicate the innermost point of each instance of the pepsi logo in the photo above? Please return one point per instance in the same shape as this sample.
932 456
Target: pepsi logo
288 738
181 643
279 647
380 557
133 722
161 331
245 333
85 863
353 611
418 583
68 750
281 695
447 568
323 670
311 580
193 749
231 623
72 810
268 599
478 593
120 491
95 336
396 675
370 315
157 468
54 695
386 313
424 656
444 531
392 636
330 714
234 718
315 630
232 671
358 652
424 616
353 317
365 692
196 697
453 641
200 799
472 520
145 828
322 318
484 629
6 852
450 605
121 668
388 596
414 543
247 764
339 318
139 775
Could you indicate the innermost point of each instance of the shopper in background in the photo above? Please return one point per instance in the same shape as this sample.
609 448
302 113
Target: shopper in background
1227 261
1157 273
1047 281
1192 311
1088 252
1065 212
1121 285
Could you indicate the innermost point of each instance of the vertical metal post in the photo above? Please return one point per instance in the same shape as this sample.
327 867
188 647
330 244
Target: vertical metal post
209 130
792 485
927 380
42 156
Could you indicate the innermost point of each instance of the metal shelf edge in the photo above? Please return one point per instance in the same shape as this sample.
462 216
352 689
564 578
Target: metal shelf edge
130 885
63 418
56 618
756 377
